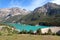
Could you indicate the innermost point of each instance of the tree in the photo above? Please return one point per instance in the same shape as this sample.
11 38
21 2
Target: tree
39 31
49 32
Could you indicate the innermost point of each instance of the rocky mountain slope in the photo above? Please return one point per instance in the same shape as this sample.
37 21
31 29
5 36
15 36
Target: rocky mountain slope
7 13
48 9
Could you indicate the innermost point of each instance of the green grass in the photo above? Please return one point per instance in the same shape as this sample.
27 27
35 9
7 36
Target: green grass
29 37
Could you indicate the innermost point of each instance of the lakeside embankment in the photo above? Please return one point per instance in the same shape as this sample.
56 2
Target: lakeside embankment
54 29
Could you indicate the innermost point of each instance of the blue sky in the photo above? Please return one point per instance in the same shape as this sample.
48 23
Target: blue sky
26 4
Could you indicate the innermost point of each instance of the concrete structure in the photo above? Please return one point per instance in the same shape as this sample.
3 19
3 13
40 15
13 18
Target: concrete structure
53 29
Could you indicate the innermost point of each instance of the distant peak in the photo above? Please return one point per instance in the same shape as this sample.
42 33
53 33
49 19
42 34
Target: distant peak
15 7
50 3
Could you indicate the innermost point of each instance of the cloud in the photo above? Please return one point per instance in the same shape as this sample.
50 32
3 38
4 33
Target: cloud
14 3
56 1
37 3
34 4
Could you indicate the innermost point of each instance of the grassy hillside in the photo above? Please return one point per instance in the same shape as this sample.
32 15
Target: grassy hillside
47 20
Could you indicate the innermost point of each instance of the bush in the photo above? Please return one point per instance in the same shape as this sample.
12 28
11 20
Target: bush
15 32
23 32
9 34
58 33
53 33
0 33
30 32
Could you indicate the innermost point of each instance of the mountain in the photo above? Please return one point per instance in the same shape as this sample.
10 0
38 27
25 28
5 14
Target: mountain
48 9
49 12
9 13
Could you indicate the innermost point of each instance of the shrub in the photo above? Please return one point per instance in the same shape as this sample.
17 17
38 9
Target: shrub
30 32
9 34
15 32
23 32
58 33
53 33
0 33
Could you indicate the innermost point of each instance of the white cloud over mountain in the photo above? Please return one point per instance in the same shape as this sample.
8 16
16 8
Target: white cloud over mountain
56 1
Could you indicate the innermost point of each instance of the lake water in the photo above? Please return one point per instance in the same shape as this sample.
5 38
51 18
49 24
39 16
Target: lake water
25 27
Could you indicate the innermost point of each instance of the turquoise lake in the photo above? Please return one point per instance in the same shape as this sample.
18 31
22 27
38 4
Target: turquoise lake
25 27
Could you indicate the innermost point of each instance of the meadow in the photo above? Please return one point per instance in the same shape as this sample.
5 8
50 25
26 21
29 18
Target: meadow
29 37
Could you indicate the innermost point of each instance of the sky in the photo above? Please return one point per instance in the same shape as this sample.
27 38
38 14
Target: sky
25 4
